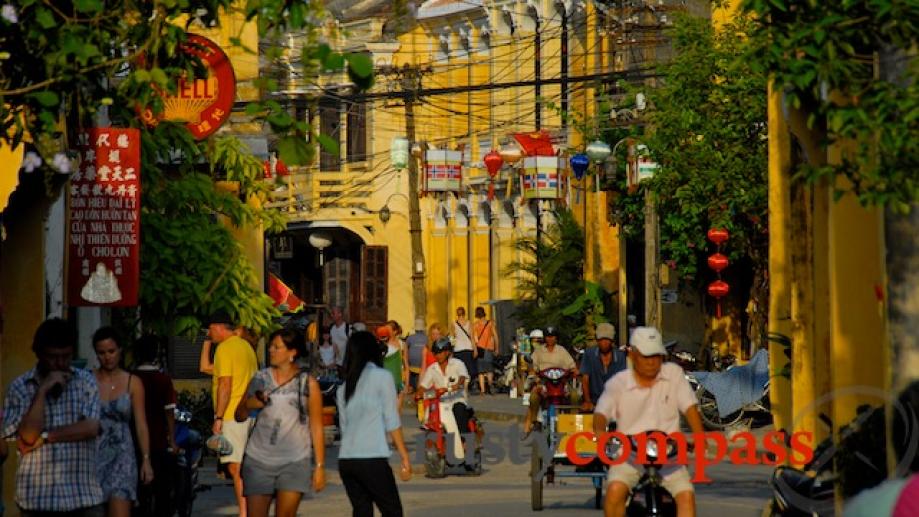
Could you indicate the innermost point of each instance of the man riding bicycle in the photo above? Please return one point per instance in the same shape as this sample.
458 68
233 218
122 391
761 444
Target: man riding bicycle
450 374
551 356
648 397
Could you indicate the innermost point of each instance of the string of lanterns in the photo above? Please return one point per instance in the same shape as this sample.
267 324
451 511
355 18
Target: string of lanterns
717 262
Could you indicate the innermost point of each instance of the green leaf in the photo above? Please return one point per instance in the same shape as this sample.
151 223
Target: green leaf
333 61
88 6
360 64
159 76
294 150
45 19
328 145
46 98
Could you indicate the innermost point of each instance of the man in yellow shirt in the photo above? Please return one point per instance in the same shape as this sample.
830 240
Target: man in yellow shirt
234 366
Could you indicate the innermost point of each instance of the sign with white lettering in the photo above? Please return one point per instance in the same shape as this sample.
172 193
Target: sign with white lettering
104 224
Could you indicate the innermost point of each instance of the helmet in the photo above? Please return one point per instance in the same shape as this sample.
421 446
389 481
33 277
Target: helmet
536 334
551 331
441 345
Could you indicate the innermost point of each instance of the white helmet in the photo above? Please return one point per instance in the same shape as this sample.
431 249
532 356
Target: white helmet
536 333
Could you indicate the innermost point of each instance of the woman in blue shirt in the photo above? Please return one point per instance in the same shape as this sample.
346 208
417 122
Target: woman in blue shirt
367 413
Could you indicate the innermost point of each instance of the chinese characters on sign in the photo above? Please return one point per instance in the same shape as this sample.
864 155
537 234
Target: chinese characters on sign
204 104
104 223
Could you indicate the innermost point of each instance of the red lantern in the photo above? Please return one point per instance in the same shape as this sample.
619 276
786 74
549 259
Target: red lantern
718 235
493 163
719 289
718 262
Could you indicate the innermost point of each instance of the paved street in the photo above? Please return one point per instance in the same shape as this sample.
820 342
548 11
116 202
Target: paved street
504 488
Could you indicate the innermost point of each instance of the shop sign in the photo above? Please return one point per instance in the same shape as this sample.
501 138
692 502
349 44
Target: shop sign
103 234
204 104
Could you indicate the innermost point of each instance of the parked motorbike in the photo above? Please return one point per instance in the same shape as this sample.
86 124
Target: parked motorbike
188 460
505 370
686 360
727 398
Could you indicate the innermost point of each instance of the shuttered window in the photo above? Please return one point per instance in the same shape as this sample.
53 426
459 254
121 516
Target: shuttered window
375 285
357 132
330 126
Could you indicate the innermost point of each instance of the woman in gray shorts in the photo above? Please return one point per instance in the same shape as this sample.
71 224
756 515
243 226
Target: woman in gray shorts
287 405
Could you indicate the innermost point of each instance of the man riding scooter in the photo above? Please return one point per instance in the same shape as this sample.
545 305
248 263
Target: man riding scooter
450 374
551 356
647 397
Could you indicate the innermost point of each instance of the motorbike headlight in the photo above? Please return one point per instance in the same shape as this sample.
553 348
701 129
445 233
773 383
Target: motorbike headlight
651 450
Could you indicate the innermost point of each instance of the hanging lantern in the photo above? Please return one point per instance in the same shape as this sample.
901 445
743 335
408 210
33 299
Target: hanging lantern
718 290
579 164
399 152
511 154
718 262
718 236
598 151
493 163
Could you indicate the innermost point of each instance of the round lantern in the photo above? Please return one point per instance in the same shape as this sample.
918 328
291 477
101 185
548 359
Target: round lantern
718 262
598 151
398 153
718 235
719 289
493 162
579 164
511 154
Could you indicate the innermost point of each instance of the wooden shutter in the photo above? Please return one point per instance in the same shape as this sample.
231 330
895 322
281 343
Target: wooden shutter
357 132
375 262
337 276
330 126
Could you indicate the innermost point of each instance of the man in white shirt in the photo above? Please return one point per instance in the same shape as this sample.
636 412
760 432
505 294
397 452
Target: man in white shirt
647 397
339 331
552 355
450 374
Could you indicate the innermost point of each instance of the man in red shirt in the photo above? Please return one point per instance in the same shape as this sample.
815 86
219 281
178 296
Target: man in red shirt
159 403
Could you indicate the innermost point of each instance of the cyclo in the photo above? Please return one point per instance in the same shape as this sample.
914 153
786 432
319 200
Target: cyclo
557 420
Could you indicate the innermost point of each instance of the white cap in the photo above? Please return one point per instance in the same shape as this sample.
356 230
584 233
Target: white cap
606 331
648 341
536 333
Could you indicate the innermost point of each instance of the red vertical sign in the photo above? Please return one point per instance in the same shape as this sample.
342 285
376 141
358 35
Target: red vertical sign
104 223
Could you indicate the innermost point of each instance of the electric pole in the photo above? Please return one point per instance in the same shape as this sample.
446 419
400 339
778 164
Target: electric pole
409 78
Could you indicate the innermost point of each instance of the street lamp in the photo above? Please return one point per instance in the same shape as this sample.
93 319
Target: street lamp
320 241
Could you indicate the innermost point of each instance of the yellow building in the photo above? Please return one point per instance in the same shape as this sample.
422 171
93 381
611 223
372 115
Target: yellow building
482 71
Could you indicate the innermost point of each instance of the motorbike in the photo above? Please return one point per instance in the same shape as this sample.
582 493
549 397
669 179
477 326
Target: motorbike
686 360
649 497
505 372
435 440
188 460
734 395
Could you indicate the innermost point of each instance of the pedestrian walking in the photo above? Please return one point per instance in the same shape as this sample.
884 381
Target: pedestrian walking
367 414
122 401
234 366
53 413
463 344
339 331
435 332
416 344
327 354
397 350
287 432
156 498
486 342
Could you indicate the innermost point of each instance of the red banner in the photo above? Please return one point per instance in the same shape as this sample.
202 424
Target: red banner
104 223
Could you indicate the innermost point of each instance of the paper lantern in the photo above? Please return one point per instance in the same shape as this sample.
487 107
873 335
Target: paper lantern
579 164
598 151
718 262
719 289
511 154
399 153
718 235
493 163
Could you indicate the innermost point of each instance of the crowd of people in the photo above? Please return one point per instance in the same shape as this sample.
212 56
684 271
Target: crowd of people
109 433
